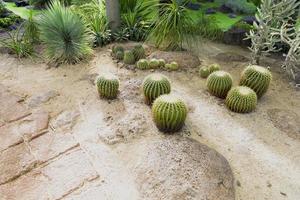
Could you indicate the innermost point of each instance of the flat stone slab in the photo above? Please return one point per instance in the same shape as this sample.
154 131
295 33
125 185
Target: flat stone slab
56 180
39 99
14 162
65 120
174 167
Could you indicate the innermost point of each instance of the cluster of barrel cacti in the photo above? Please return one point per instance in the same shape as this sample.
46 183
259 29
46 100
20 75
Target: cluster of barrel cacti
156 64
129 57
254 82
205 71
118 52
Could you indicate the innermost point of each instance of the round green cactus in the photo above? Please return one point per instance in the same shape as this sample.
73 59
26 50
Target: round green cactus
204 72
117 48
169 113
139 52
153 63
129 58
257 78
241 99
214 67
162 62
119 55
155 85
172 66
219 83
108 86
142 64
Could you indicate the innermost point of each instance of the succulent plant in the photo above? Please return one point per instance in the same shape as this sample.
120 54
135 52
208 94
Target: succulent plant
257 78
172 66
142 64
155 85
108 86
119 55
214 67
241 99
219 83
139 52
129 58
204 72
153 63
169 113
162 62
117 48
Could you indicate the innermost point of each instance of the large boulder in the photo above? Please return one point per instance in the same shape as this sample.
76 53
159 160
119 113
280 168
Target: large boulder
183 58
236 36
175 167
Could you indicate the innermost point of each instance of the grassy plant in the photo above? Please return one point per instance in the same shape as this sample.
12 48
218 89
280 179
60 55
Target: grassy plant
65 35
32 33
17 44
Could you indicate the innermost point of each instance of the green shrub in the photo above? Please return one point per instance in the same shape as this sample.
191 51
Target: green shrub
243 26
108 86
64 34
139 52
257 78
129 58
169 113
219 83
204 72
32 33
241 6
6 22
142 64
155 85
241 99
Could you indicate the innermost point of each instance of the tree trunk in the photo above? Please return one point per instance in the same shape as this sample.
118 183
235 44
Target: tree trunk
113 14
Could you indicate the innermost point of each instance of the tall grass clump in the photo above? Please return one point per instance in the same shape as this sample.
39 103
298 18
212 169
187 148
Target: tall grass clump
64 34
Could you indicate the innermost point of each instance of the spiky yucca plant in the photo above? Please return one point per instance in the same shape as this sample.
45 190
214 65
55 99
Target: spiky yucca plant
257 78
142 64
214 67
241 99
219 83
162 62
64 34
169 113
154 63
139 52
108 86
204 72
119 55
155 85
129 58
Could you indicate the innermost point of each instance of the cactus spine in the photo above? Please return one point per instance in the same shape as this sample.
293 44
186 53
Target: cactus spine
108 86
257 78
129 58
241 99
155 85
169 113
219 83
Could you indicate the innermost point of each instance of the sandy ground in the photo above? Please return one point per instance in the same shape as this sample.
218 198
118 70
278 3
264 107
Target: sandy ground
262 148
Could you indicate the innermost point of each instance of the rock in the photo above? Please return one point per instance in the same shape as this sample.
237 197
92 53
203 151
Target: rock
210 11
41 98
193 6
236 36
231 57
174 167
184 59
232 15
286 121
249 19
21 3
65 120
225 9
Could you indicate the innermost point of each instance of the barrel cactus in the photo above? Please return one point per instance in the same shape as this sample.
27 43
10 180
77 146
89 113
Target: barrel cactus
172 66
139 52
162 62
214 67
169 113
155 85
117 48
108 86
153 63
204 72
142 64
129 58
219 83
241 99
257 78
119 55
